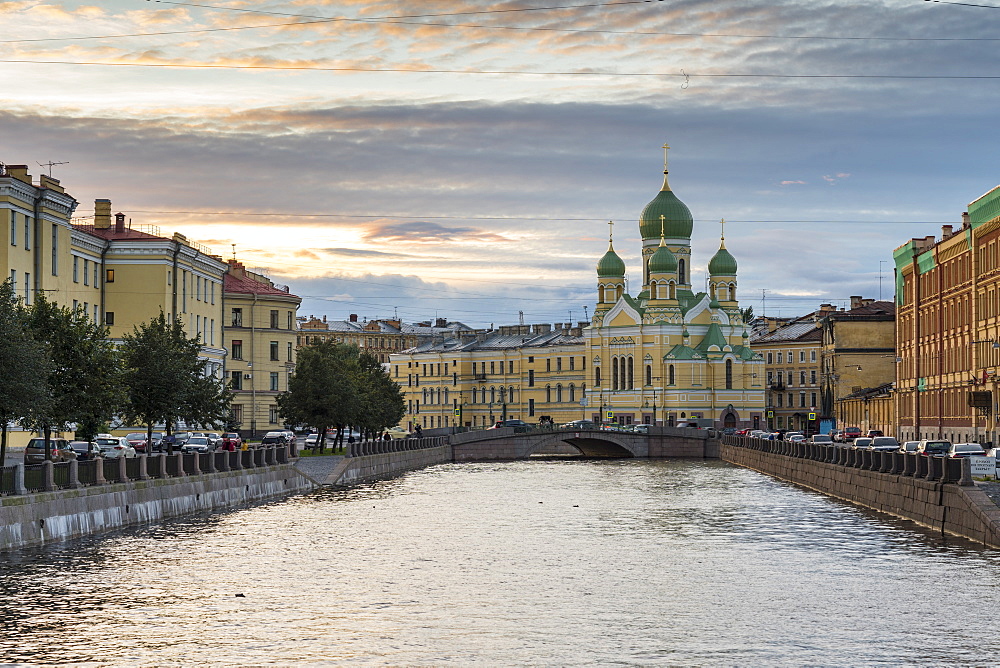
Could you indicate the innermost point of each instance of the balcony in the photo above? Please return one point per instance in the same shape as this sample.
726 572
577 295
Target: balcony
777 387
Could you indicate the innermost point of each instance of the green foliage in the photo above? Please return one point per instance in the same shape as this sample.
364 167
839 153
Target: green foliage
24 364
84 379
746 314
165 378
334 384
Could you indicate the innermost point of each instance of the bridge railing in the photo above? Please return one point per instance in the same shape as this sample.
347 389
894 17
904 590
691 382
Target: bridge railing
47 476
382 447
938 469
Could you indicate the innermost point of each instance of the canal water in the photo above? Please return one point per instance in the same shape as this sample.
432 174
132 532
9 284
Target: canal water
546 563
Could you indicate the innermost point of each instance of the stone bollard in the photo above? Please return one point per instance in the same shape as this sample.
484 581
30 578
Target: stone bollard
920 466
74 474
19 487
909 464
211 463
99 472
885 462
895 463
48 480
952 470
867 460
122 474
143 467
236 460
934 466
195 463
966 479
179 456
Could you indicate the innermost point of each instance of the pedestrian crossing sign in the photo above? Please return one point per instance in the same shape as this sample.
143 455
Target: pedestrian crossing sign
812 416
611 414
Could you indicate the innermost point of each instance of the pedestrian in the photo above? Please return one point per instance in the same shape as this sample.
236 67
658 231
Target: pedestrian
386 437
350 438
418 432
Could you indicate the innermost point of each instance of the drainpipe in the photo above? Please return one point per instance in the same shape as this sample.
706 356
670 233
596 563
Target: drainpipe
104 274
253 374
173 295
37 259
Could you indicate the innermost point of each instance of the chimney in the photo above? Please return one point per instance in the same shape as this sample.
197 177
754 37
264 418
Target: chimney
324 318
102 214
46 181
441 322
772 324
856 301
119 222
965 220
354 317
19 172
945 232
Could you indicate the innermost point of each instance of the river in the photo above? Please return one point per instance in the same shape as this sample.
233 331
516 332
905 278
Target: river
549 563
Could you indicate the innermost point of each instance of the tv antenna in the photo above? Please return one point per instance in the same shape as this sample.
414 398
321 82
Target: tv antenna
51 164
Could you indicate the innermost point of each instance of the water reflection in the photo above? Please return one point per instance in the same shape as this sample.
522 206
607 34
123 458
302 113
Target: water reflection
547 562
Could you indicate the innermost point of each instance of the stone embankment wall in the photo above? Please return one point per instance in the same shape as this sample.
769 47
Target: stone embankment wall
924 490
371 460
46 517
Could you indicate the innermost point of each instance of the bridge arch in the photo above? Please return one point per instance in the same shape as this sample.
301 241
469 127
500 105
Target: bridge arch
593 443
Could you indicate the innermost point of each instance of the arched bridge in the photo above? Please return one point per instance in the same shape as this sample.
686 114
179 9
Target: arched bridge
520 443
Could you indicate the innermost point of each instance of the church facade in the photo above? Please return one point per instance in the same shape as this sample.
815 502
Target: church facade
670 355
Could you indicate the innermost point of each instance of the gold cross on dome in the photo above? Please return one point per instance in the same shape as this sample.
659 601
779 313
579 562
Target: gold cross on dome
611 229
665 148
662 221
723 223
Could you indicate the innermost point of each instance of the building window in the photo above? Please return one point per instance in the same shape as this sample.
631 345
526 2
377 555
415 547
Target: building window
237 380
597 376
531 377
548 394
274 319
236 413
649 374
812 355
55 249
274 351
531 407
572 361
558 364
272 414
237 317
671 377
96 269
729 374
76 269
548 364
802 377
274 381
27 288
288 351
13 228
109 276
237 349
213 293
813 398
184 291
510 366
492 367
13 281
802 399
109 318
289 327
780 400
781 358
27 233
812 377
572 392
86 272
770 358
802 356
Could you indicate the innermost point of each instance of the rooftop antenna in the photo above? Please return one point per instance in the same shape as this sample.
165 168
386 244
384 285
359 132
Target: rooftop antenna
234 251
395 313
763 302
50 165
880 263
585 316
520 317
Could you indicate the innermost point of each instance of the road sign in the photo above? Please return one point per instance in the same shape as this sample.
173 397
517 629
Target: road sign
611 414
812 416
770 414
458 412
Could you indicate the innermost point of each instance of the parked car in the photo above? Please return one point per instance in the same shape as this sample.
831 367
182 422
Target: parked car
872 433
579 424
909 446
214 438
836 435
398 432
959 450
822 439
274 438
86 450
312 440
641 428
232 437
198 444
934 448
113 447
34 451
509 423
137 440
850 433
884 444
796 438
861 443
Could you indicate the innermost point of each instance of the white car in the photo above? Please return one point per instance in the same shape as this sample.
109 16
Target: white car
884 443
114 447
966 450
909 446
822 439
795 438
862 443
312 440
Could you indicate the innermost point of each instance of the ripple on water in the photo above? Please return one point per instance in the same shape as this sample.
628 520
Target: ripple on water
524 563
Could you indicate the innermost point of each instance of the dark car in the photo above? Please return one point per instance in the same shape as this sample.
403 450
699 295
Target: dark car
274 438
580 424
199 444
934 448
510 423
34 451
86 450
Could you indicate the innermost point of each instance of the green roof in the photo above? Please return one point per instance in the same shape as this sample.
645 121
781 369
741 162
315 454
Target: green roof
713 337
677 221
662 261
722 263
682 352
610 266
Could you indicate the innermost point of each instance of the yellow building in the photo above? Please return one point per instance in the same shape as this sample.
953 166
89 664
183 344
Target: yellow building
477 378
792 354
670 354
858 352
870 408
261 334
37 235
381 338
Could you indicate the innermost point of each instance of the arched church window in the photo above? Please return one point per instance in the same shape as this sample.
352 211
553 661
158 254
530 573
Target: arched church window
630 366
614 374
732 292
597 376
548 394
673 290
681 272
729 374
510 391
649 374
559 393
572 392
493 395
671 374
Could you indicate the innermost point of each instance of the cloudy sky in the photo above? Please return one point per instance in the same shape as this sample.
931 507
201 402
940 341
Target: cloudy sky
461 158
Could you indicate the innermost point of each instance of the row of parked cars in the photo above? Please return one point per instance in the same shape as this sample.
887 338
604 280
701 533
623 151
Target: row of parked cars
108 446
930 448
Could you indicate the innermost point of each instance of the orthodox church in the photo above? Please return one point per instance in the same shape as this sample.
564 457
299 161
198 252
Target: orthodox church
670 355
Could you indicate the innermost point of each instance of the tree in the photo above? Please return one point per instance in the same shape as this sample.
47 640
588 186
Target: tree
323 391
84 379
165 378
746 314
381 397
24 365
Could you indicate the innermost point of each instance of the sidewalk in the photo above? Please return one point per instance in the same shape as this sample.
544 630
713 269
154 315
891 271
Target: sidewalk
318 469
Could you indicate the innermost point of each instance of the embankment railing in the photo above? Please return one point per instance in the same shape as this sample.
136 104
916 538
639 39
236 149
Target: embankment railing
382 447
49 476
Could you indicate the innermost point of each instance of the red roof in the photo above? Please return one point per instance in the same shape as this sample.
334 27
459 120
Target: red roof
110 233
236 280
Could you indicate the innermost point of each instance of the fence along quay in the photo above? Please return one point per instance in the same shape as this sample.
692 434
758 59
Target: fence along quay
51 502
936 492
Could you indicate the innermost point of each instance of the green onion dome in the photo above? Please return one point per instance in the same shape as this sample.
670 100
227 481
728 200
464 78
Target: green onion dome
611 266
662 261
676 221
722 263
